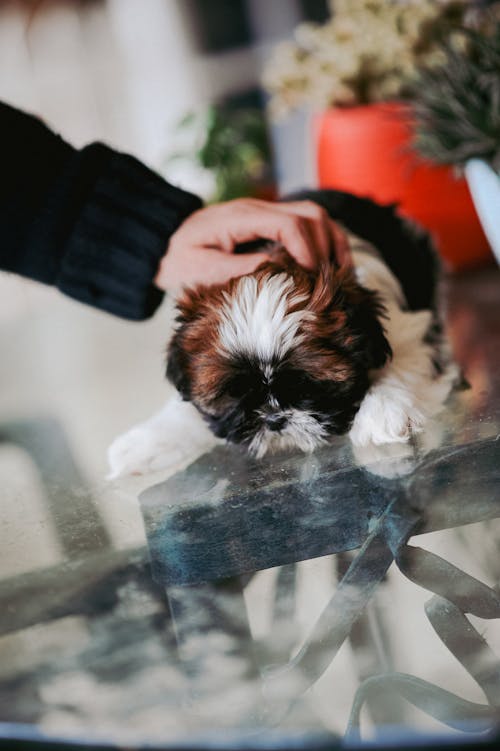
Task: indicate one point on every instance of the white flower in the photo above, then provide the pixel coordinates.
(366, 52)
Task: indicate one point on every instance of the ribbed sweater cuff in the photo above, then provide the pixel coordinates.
(114, 248)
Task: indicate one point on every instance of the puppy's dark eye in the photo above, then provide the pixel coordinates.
(288, 386)
(238, 386)
(244, 384)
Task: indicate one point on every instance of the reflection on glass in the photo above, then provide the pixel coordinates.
(298, 598)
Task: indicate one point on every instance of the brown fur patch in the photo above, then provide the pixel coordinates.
(326, 327)
(197, 340)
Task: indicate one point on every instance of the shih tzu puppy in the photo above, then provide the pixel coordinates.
(286, 358)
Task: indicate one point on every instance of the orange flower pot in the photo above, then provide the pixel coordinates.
(367, 150)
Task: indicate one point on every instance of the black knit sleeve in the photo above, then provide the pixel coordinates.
(94, 223)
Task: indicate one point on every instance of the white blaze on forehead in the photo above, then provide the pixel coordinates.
(255, 319)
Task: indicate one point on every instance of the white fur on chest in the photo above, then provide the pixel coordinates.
(372, 273)
(407, 391)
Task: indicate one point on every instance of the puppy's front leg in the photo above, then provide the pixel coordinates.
(174, 437)
(408, 390)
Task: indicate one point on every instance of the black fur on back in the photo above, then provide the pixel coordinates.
(407, 250)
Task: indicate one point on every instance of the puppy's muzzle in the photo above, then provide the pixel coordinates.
(275, 421)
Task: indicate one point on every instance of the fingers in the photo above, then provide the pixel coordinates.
(244, 220)
(342, 250)
(317, 226)
(225, 267)
(303, 227)
(189, 266)
(329, 240)
(201, 250)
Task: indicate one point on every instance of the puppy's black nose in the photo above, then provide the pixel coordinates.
(275, 422)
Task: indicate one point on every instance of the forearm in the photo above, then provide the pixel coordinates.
(94, 223)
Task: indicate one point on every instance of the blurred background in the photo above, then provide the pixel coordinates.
(127, 72)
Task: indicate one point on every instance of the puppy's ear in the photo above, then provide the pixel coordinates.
(375, 349)
(178, 366)
(188, 310)
(365, 312)
(355, 316)
(196, 323)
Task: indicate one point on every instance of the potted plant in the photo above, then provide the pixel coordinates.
(457, 119)
(357, 69)
(228, 148)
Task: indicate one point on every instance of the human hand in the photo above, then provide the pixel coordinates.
(202, 249)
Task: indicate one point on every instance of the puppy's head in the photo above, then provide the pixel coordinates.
(280, 358)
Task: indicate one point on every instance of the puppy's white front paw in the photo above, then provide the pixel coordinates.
(386, 416)
(399, 406)
(169, 440)
(140, 451)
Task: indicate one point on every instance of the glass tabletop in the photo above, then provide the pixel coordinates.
(299, 601)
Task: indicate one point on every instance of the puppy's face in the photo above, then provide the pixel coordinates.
(280, 358)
